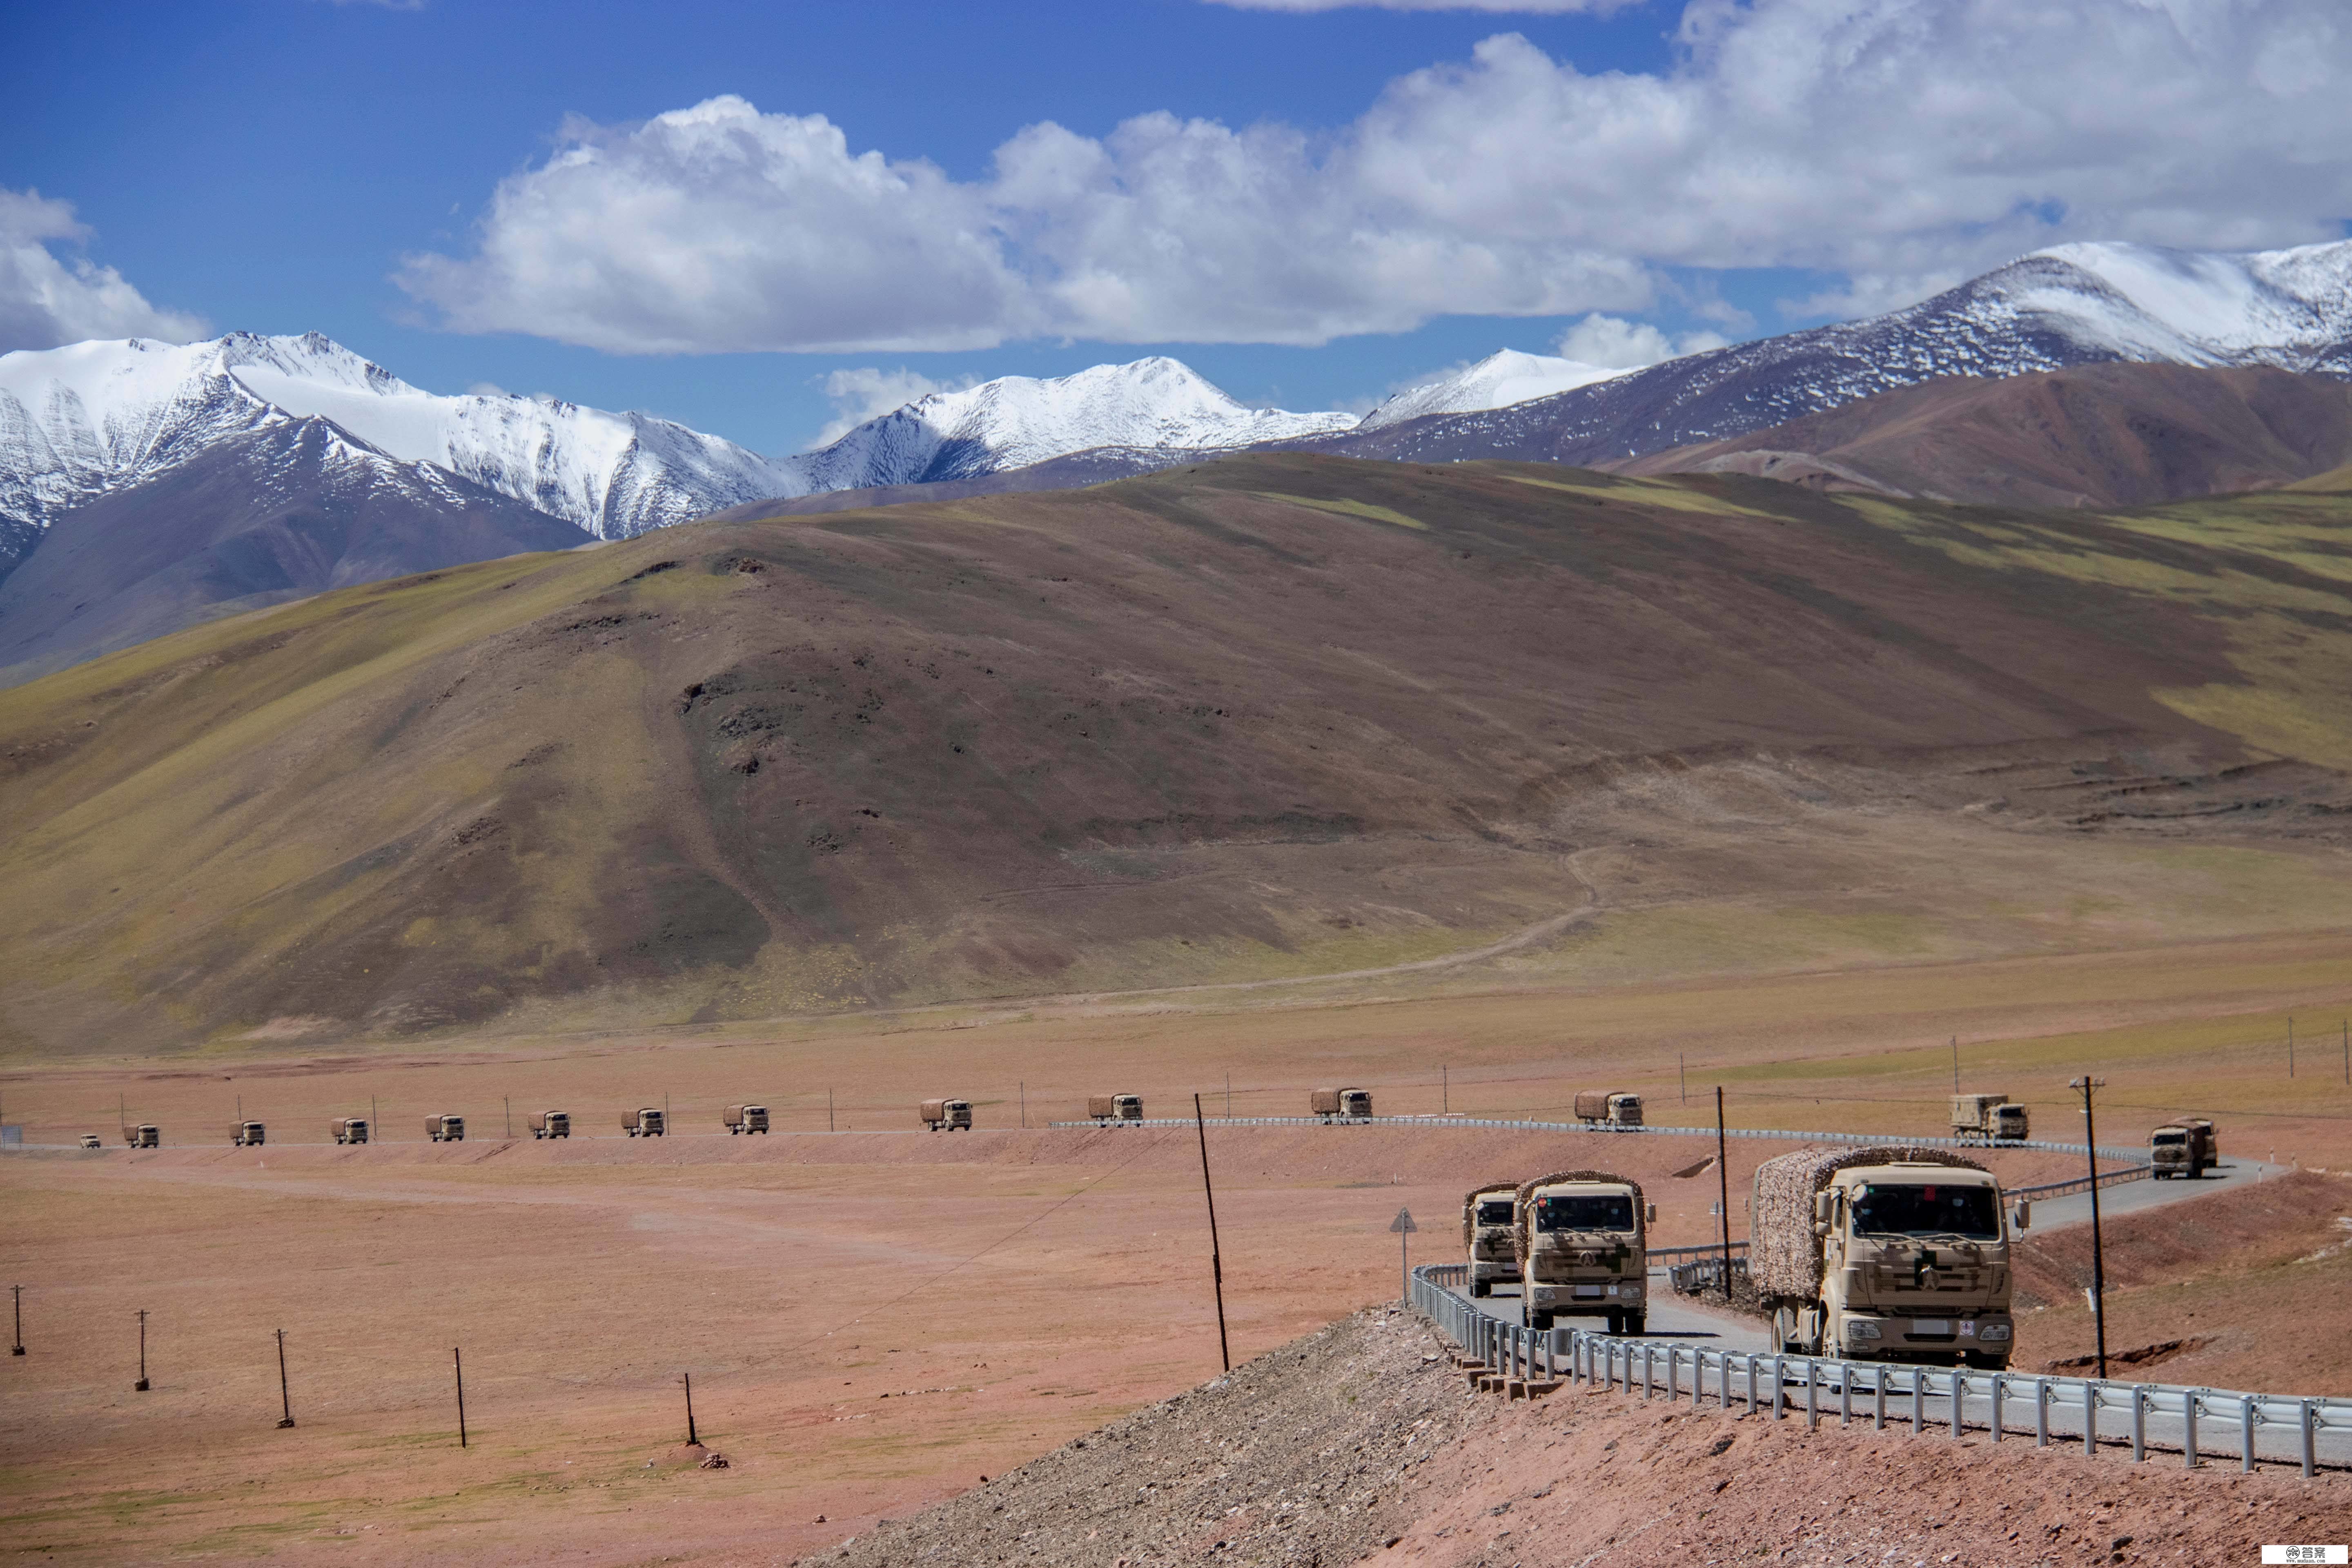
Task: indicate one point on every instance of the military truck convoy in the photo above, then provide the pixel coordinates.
(1884, 1253)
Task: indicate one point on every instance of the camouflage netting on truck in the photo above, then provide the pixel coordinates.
(1470, 1206)
(1784, 1256)
(1523, 1241)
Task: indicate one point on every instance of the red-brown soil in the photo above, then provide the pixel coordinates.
(2094, 435)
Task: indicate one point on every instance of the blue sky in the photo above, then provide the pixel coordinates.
(277, 166)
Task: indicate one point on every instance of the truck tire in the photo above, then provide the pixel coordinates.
(1636, 1322)
(1480, 1288)
(1539, 1321)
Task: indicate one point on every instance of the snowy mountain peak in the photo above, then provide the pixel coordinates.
(1016, 420)
(2288, 308)
(1501, 379)
(79, 421)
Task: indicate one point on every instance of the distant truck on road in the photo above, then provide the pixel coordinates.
(948, 1115)
(1988, 1118)
(2183, 1148)
(1581, 1241)
(1342, 1104)
(91, 1140)
(246, 1134)
(1487, 1216)
(649, 1121)
(349, 1129)
(551, 1124)
(1110, 1108)
(146, 1135)
(1608, 1108)
(446, 1129)
(1882, 1254)
(746, 1119)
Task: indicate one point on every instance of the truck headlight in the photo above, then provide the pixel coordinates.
(1632, 1293)
(1991, 1333)
(1861, 1329)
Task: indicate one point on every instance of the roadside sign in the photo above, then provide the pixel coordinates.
(1403, 1224)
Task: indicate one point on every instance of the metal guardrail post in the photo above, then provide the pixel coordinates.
(2090, 1419)
(2041, 1413)
(2310, 1457)
(1959, 1398)
(2246, 1419)
(2188, 1430)
(1846, 1396)
(1812, 1407)
(2138, 1423)
(1918, 1403)
(1878, 1399)
(1780, 1387)
(1750, 1359)
(1999, 1387)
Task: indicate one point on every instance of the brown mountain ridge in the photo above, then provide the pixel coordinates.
(1271, 717)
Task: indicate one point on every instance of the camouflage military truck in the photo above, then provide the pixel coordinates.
(551, 1124)
(349, 1129)
(1341, 1104)
(1988, 1118)
(650, 1122)
(247, 1134)
(1885, 1254)
(1608, 1108)
(2184, 1148)
(446, 1129)
(146, 1135)
(746, 1119)
(948, 1115)
(1109, 1107)
(1581, 1240)
(1487, 1216)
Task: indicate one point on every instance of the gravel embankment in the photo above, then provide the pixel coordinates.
(1305, 1456)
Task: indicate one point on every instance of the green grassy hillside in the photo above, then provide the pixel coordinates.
(1270, 716)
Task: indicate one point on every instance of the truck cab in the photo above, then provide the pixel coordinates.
(648, 1122)
(1581, 1241)
(1608, 1108)
(551, 1124)
(446, 1129)
(146, 1135)
(1488, 1214)
(2185, 1148)
(746, 1119)
(246, 1134)
(1113, 1107)
(1915, 1268)
(1341, 1104)
(1988, 1118)
(91, 1141)
(349, 1129)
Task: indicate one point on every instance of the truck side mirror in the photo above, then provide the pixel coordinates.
(1823, 1208)
(1649, 1213)
(2022, 1215)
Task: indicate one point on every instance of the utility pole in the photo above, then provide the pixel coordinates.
(1216, 1260)
(285, 1396)
(140, 1386)
(1444, 1091)
(1955, 1064)
(1024, 1104)
(1229, 1097)
(458, 1361)
(375, 1123)
(2085, 1086)
(828, 1109)
(510, 1102)
(1723, 1184)
(19, 1291)
(2347, 1050)
(2290, 1046)
(692, 1441)
(1682, 1070)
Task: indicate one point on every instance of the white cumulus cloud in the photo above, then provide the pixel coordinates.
(1614, 344)
(1889, 142)
(45, 301)
(867, 392)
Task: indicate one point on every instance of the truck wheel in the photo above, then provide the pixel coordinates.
(1480, 1288)
(1635, 1322)
(1539, 1321)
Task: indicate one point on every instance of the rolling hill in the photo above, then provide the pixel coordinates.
(1271, 716)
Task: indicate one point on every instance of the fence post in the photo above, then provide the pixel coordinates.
(1878, 1399)
(2139, 1422)
(1752, 1381)
(2090, 1419)
(1959, 1398)
(1812, 1409)
(2246, 1434)
(1845, 1396)
(2188, 1428)
(2041, 1413)
(1780, 1386)
(1918, 1403)
(2310, 1457)
(1999, 1387)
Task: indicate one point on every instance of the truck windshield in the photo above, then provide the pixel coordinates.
(1908, 1210)
(2173, 1138)
(1494, 1212)
(1613, 1211)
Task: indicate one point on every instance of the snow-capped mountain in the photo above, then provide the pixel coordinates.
(2072, 304)
(80, 421)
(1497, 381)
(1015, 421)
